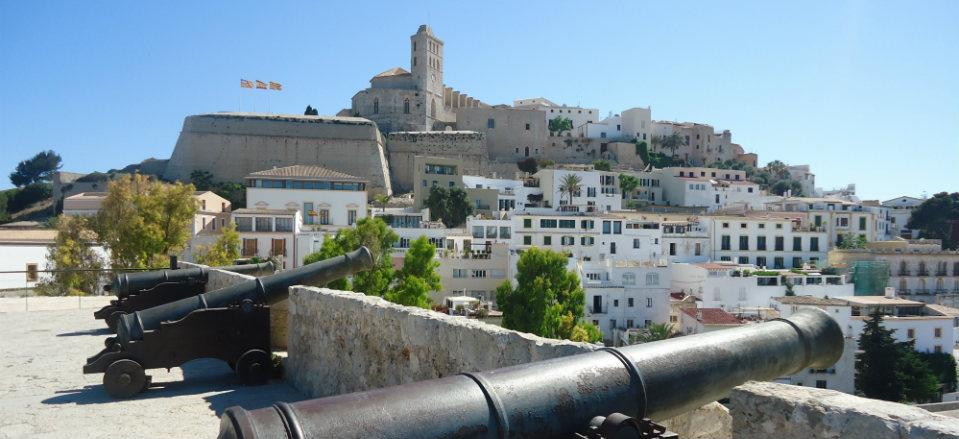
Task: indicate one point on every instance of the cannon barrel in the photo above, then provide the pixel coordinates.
(556, 398)
(125, 283)
(268, 289)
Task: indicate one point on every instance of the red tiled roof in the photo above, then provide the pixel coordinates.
(306, 172)
(711, 316)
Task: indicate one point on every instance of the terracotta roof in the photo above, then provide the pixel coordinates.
(28, 235)
(809, 300)
(711, 316)
(253, 211)
(395, 71)
(306, 172)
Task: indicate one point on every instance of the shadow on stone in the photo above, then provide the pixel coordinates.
(98, 332)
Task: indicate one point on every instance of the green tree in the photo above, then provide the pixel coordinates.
(627, 184)
(671, 142)
(225, 251)
(418, 276)
(202, 180)
(528, 165)
(142, 221)
(601, 165)
(379, 238)
(29, 195)
(850, 241)
(36, 169)
(789, 288)
(889, 370)
(935, 217)
(450, 206)
(656, 332)
(382, 200)
(329, 249)
(234, 192)
(560, 124)
(77, 265)
(943, 366)
(547, 301)
(570, 185)
(642, 150)
(310, 111)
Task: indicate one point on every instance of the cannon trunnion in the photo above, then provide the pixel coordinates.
(231, 324)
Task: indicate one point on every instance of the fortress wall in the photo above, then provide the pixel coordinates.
(467, 146)
(232, 145)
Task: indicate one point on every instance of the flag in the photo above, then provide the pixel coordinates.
(245, 84)
(260, 84)
(276, 86)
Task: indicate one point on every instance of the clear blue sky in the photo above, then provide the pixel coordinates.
(864, 91)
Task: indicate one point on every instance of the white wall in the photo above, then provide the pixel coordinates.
(338, 202)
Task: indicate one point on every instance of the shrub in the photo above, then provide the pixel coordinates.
(28, 195)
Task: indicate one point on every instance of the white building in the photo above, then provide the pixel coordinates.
(806, 179)
(900, 210)
(766, 240)
(266, 233)
(510, 194)
(624, 295)
(322, 196)
(578, 115)
(589, 238)
(742, 289)
(686, 240)
(712, 188)
(599, 190)
(838, 217)
(23, 256)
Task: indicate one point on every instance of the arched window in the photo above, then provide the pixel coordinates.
(376, 105)
(941, 268)
(406, 106)
(902, 285)
(433, 108)
(903, 268)
(922, 268)
(939, 284)
(922, 284)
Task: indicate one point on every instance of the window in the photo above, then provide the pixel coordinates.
(477, 231)
(652, 278)
(725, 225)
(567, 240)
(742, 225)
(607, 227)
(590, 192)
(491, 232)
(725, 243)
(820, 384)
(629, 323)
(278, 247)
(351, 217)
(376, 105)
(937, 332)
(672, 248)
(459, 273)
(527, 240)
(797, 262)
(527, 127)
(761, 243)
(779, 243)
(478, 274)
(760, 261)
(762, 225)
(567, 224)
(629, 301)
(244, 224)
(612, 248)
(797, 244)
(636, 243)
(406, 106)
(527, 223)
(587, 240)
(814, 244)
(249, 247)
(743, 260)
(504, 233)
(589, 224)
(615, 303)
(778, 263)
(309, 215)
(862, 223)
(490, 123)
(284, 224)
(264, 224)
(547, 224)
(325, 216)
(32, 274)
(649, 302)
(937, 349)
(698, 249)
(744, 242)
(629, 279)
(547, 240)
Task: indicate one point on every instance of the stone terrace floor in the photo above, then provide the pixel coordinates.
(44, 394)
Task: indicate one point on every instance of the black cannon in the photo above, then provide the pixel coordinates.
(577, 396)
(231, 324)
(139, 291)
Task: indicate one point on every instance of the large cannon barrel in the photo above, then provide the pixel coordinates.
(125, 283)
(556, 398)
(268, 289)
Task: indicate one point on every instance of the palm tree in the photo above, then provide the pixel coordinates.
(656, 332)
(382, 200)
(627, 183)
(570, 185)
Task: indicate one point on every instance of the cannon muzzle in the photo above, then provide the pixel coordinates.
(557, 398)
(267, 290)
(126, 283)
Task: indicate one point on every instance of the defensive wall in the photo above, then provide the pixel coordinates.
(232, 145)
(468, 147)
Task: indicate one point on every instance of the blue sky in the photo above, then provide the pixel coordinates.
(866, 92)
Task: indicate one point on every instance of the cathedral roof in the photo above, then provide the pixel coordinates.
(395, 71)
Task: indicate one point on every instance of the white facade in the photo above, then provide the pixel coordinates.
(638, 124)
(599, 190)
(589, 238)
(686, 241)
(838, 217)
(766, 241)
(712, 188)
(900, 210)
(511, 194)
(24, 251)
(623, 295)
(578, 115)
(320, 207)
(266, 233)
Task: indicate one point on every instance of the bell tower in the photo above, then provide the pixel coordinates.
(426, 60)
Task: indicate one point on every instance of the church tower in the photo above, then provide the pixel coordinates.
(427, 65)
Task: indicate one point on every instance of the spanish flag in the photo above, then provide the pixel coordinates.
(245, 84)
(276, 86)
(260, 84)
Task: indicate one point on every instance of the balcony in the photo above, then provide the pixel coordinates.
(600, 310)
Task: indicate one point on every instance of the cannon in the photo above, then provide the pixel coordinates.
(597, 394)
(139, 291)
(231, 324)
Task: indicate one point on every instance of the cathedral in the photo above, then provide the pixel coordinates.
(400, 100)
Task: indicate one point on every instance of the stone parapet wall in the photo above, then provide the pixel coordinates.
(342, 342)
(764, 410)
(467, 146)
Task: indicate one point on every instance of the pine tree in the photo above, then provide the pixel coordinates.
(875, 364)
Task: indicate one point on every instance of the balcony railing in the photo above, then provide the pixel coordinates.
(922, 273)
(599, 310)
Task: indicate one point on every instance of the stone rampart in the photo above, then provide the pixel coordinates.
(467, 146)
(341, 342)
(764, 410)
(232, 145)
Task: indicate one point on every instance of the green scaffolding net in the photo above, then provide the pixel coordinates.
(870, 277)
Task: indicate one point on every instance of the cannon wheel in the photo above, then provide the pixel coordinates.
(124, 379)
(254, 367)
